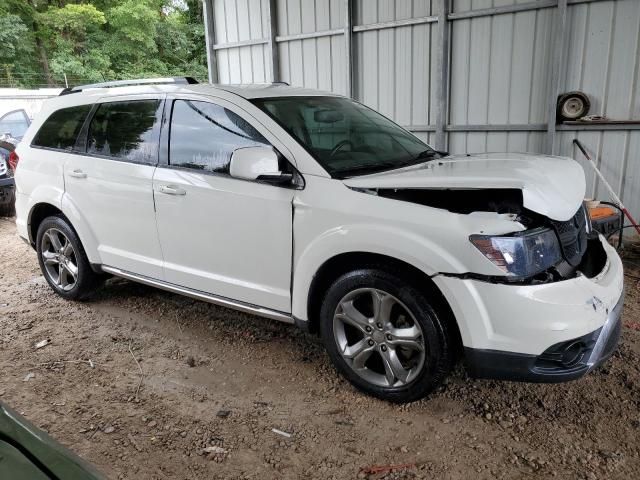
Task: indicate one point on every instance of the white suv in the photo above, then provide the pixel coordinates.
(310, 208)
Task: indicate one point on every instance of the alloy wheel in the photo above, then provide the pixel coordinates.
(59, 259)
(379, 338)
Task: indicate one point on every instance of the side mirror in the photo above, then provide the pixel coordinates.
(258, 163)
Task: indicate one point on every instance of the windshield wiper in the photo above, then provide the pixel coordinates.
(430, 154)
(367, 168)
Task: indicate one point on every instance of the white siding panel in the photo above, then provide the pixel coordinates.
(324, 63)
(231, 20)
(246, 70)
(521, 71)
(224, 76)
(282, 17)
(296, 63)
(403, 75)
(256, 15)
(259, 71)
(283, 55)
(310, 63)
(338, 65)
(243, 20)
(386, 75)
(500, 67)
(421, 71)
(220, 22)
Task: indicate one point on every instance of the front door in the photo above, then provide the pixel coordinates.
(109, 183)
(221, 235)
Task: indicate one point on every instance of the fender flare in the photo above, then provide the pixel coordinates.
(365, 238)
(46, 195)
(42, 195)
(83, 229)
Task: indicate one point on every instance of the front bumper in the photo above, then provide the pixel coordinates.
(562, 362)
(549, 332)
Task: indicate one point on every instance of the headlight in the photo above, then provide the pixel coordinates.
(523, 254)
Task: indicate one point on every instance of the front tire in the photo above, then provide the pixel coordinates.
(387, 337)
(63, 261)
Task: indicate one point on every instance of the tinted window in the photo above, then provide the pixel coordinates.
(126, 130)
(61, 129)
(204, 135)
(14, 123)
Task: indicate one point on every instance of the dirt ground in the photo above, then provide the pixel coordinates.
(220, 380)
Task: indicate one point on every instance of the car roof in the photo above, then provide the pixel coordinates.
(247, 91)
(259, 90)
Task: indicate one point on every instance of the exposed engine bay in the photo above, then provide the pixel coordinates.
(581, 249)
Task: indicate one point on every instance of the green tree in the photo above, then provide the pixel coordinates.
(92, 40)
(72, 31)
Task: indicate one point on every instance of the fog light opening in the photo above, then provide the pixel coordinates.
(573, 353)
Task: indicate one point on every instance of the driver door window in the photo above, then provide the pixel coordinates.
(204, 135)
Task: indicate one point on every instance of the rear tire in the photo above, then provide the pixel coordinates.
(63, 260)
(385, 335)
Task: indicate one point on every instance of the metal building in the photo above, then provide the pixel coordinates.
(465, 75)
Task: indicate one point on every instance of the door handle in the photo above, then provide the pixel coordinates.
(172, 190)
(77, 174)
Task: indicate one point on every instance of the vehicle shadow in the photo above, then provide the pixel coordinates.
(205, 320)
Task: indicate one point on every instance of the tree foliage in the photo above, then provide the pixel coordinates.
(92, 40)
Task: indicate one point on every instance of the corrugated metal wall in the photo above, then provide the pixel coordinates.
(239, 21)
(603, 60)
(500, 68)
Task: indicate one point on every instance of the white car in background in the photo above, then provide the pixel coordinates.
(310, 208)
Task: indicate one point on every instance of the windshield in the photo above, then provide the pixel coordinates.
(347, 138)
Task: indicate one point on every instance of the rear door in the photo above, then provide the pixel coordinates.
(110, 182)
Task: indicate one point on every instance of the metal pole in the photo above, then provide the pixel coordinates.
(273, 46)
(443, 55)
(558, 48)
(209, 37)
(348, 44)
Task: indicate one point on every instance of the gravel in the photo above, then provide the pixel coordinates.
(216, 383)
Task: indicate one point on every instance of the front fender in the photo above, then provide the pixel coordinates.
(385, 240)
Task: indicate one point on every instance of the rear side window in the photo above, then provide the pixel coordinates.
(61, 129)
(204, 135)
(126, 130)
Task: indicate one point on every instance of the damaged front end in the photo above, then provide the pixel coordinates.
(541, 250)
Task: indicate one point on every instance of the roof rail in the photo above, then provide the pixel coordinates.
(128, 83)
(280, 83)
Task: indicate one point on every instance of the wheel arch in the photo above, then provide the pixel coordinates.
(342, 263)
(42, 210)
(37, 214)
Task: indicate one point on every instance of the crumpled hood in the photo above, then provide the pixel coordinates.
(551, 186)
